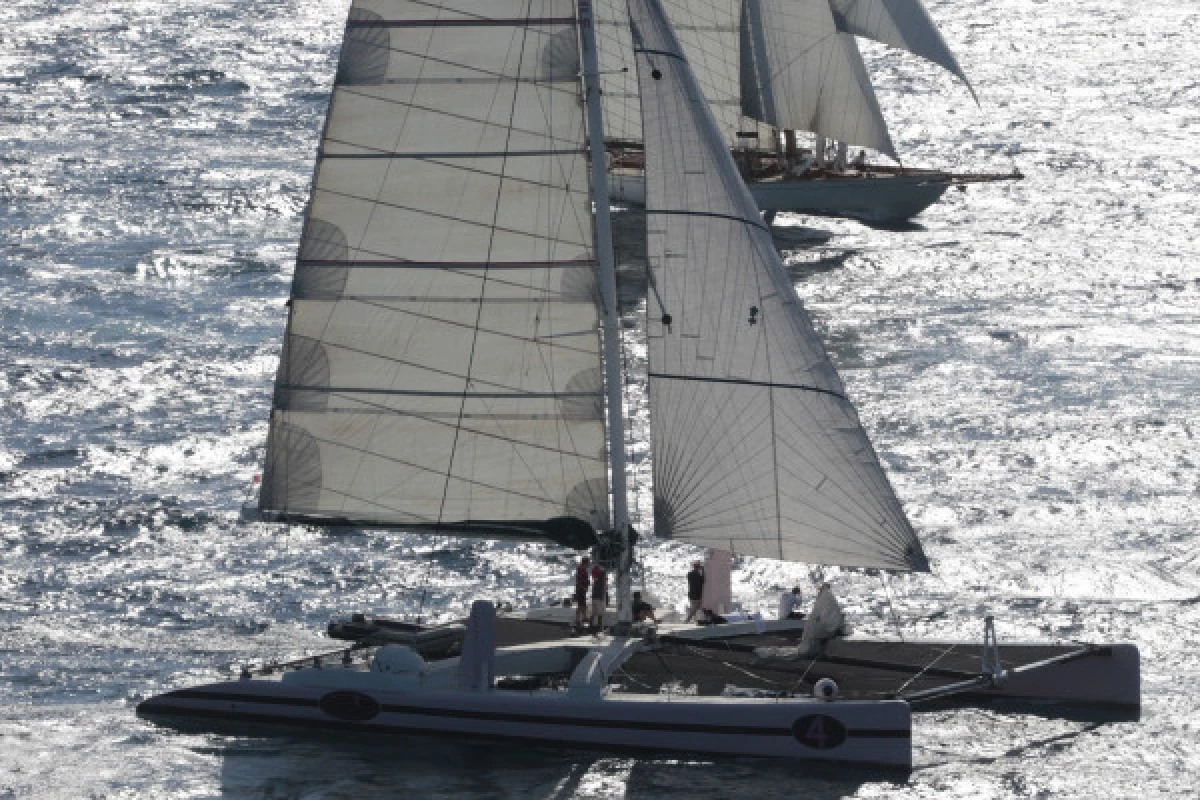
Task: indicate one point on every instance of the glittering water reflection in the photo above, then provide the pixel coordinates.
(1024, 355)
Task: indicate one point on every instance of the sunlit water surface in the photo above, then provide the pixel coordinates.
(1026, 357)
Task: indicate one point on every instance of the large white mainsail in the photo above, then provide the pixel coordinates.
(756, 448)
(442, 363)
(904, 24)
(799, 72)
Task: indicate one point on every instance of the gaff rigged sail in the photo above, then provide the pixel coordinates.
(800, 73)
(903, 24)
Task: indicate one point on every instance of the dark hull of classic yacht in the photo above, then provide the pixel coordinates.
(888, 198)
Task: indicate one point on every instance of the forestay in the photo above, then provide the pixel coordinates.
(904, 24)
(441, 366)
(799, 72)
(756, 448)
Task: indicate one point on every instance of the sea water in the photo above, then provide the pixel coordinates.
(1026, 357)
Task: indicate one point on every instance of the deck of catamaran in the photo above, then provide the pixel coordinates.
(758, 658)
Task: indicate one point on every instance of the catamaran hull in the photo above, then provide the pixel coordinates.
(893, 198)
(876, 733)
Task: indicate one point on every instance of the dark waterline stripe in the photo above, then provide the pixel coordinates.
(161, 706)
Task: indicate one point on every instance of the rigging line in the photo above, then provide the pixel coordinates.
(387, 171)
(627, 399)
(699, 653)
(926, 668)
(547, 366)
(379, 203)
(804, 674)
(621, 672)
(846, 478)
(840, 507)
(364, 452)
(872, 481)
(766, 348)
(451, 162)
(887, 590)
(653, 286)
(524, 35)
(667, 468)
(691, 472)
(424, 589)
(431, 317)
(892, 527)
(687, 477)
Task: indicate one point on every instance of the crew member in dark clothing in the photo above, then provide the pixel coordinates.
(582, 581)
(695, 580)
(642, 610)
(599, 596)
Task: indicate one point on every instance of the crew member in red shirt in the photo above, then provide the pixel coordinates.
(582, 581)
(599, 596)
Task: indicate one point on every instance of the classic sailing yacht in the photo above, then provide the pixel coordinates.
(451, 364)
(789, 66)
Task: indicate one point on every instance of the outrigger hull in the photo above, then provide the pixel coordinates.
(873, 733)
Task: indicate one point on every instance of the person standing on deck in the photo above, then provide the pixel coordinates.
(599, 596)
(582, 581)
(695, 580)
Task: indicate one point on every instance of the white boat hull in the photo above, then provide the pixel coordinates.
(892, 198)
(869, 733)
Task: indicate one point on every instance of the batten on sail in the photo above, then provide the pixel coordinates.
(755, 446)
(799, 72)
(441, 365)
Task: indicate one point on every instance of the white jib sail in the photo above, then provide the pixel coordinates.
(442, 363)
(756, 448)
(904, 24)
(800, 73)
